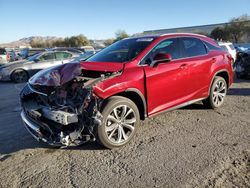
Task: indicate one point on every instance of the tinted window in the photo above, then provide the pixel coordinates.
(122, 51)
(169, 46)
(224, 48)
(48, 56)
(212, 47)
(232, 47)
(192, 47)
(63, 55)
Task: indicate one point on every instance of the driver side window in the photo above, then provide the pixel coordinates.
(46, 57)
(169, 46)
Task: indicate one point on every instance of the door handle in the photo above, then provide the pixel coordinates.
(183, 66)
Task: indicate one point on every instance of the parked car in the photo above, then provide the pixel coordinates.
(229, 47)
(4, 56)
(13, 55)
(21, 71)
(243, 65)
(28, 52)
(87, 49)
(240, 49)
(105, 97)
(84, 56)
(73, 50)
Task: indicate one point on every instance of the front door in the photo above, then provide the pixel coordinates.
(167, 82)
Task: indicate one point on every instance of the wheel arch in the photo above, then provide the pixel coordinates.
(222, 73)
(137, 97)
(12, 71)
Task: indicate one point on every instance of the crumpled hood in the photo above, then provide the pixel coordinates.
(61, 74)
(102, 66)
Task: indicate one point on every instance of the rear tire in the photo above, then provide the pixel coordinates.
(217, 93)
(19, 76)
(121, 119)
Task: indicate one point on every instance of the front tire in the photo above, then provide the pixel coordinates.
(120, 121)
(19, 76)
(217, 93)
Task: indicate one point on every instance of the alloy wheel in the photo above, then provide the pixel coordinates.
(120, 124)
(219, 93)
(20, 76)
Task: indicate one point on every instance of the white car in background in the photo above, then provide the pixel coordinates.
(4, 56)
(229, 47)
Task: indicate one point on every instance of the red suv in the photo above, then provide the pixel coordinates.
(106, 96)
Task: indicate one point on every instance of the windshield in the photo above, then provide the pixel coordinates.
(33, 57)
(122, 51)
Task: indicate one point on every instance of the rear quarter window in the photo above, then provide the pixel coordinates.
(212, 47)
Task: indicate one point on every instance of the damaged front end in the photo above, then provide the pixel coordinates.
(59, 106)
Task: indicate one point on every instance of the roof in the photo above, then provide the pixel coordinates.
(167, 34)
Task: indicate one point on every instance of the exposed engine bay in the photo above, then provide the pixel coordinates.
(64, 110)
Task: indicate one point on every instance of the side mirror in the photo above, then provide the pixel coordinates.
(161, 58)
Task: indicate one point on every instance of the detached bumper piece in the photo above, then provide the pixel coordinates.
(36, 131)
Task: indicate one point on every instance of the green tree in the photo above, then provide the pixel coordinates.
(76, 41)
(234, 31)
(238, 27)
(121, 34)
(108, 42)
(220, 33)
(37, 43)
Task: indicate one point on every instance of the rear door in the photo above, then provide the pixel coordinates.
(167, 83)
(195, 54)
(46, 60)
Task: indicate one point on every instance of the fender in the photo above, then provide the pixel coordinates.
(211, 81)
(142, 98)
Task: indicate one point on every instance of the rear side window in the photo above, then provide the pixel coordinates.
(211, 47)
(63, 55)
(48, 56)
(224, 48)
(232, 47)
(192, 47)
(2, 51)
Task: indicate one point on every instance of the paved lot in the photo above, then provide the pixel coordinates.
(190, 147)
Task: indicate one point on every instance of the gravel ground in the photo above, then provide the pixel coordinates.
(189, 147)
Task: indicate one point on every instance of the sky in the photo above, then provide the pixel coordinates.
(100, 19)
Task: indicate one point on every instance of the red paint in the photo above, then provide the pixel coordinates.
(168, 84)
(102, 66)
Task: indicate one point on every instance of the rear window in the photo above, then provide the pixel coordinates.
(232, 47)
(2, 51)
